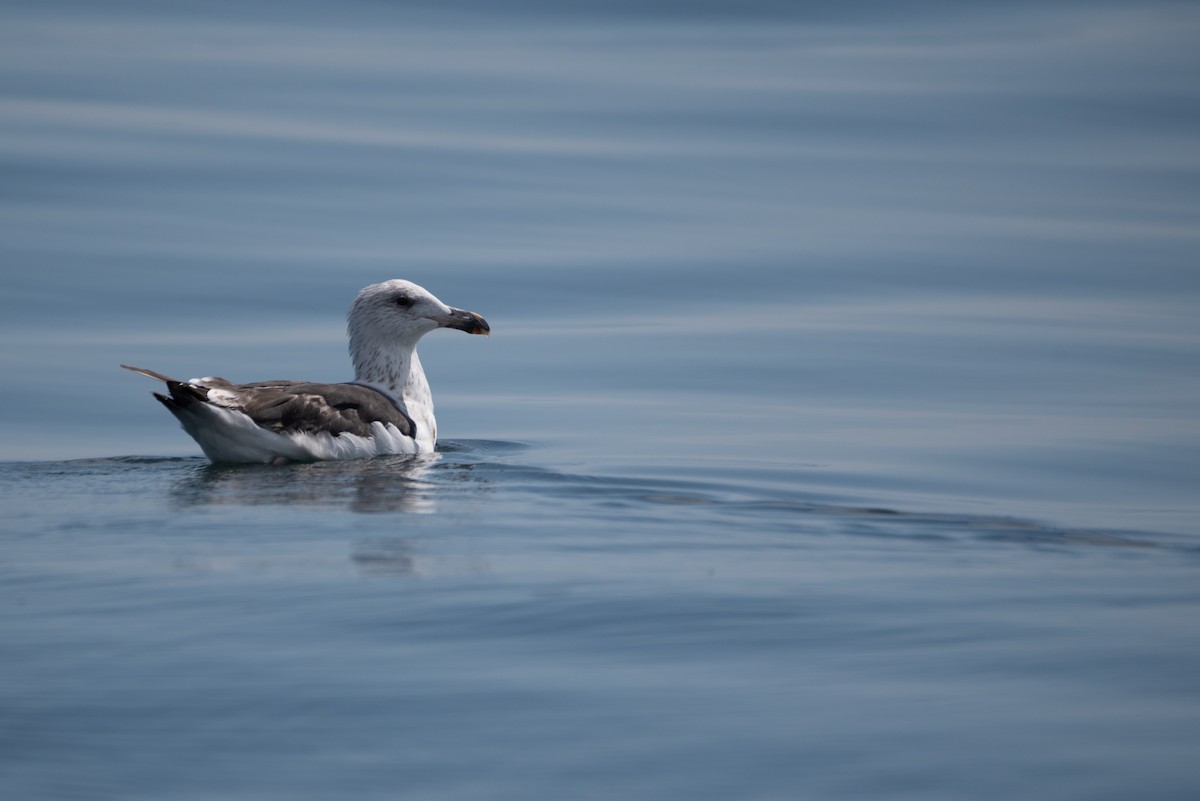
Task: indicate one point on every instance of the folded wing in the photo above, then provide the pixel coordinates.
(289, 407)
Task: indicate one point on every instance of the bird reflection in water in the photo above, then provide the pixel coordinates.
(367, 486)
(455, 477)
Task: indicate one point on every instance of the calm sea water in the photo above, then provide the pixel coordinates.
(838, 435)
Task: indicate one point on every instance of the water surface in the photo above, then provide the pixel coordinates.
(837, 436)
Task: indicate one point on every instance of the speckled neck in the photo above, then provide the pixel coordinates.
(397, 372)
(389, 369)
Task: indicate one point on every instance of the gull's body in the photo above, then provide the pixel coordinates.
(387, 409)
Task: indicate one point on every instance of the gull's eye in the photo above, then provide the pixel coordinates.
(403, 301)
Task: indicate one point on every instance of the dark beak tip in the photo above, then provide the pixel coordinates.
(467, 321)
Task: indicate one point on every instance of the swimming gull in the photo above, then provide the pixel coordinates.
(386, 409)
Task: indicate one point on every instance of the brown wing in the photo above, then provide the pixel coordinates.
(293, 406)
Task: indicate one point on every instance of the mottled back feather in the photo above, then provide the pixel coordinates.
(288, 407)
(292, 406)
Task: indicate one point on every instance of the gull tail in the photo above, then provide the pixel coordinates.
(182, 394)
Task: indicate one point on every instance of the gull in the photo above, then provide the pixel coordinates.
(386, 409)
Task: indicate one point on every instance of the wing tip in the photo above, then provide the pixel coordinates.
(166, 400)
(148, 373)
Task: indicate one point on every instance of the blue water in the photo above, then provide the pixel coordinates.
(838, 435)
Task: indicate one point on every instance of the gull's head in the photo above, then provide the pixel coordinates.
(397, 313)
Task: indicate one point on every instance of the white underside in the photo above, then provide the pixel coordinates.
(227, 435)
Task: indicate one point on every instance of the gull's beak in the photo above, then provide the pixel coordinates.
(467, 321)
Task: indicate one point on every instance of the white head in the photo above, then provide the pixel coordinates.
(386, 320)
